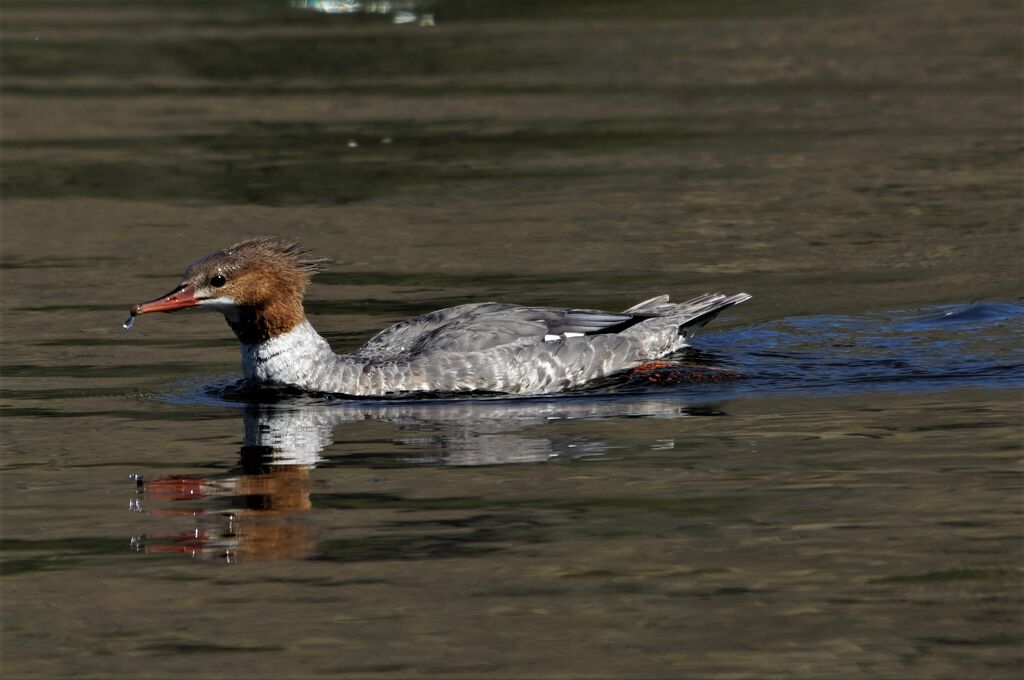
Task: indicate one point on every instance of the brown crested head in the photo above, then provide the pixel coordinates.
(258, 285)
(256, 273)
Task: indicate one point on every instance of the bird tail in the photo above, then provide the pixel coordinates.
(687, 317)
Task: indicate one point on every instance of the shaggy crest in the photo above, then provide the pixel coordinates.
(271, 248)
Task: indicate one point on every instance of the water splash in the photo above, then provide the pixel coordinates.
(979, 345)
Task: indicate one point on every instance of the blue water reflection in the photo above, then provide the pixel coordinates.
(936, 348)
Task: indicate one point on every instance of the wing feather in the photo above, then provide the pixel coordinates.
(484, 326)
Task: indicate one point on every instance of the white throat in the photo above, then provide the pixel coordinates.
(297, 358)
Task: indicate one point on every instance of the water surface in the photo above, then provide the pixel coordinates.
(826, 485)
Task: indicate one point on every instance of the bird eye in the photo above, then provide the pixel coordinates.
(218, 280)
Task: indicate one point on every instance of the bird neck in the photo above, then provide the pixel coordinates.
(298, 357)
(253, 325)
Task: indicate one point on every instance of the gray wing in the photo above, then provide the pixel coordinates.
(483, 329)
(398, 339)
(481, 326)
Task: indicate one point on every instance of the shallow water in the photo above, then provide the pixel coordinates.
(826, 485)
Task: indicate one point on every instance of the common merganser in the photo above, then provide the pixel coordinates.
(481, 347)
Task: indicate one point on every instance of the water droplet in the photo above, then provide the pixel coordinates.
(127, 325)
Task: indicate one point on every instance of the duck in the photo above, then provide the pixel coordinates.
(485, 347)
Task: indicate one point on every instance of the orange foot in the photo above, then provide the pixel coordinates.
(676, 373)
(653, 366)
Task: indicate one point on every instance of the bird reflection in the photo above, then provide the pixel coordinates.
(257, 510)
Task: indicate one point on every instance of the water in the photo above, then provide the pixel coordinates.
(827, 485)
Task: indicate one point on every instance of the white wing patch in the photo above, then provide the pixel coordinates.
(563, 336)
